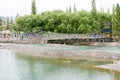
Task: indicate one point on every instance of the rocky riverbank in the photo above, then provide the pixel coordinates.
(65, 51)
(62, 51)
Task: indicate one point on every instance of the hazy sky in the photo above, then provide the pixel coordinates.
(23, 7)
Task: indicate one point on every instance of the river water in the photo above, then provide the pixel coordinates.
(13, 67)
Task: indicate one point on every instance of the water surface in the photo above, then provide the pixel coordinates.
(13, 67)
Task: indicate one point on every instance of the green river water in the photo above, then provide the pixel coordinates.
(15, 67)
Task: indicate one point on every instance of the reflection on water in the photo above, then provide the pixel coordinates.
(8, 66)
(14, 68)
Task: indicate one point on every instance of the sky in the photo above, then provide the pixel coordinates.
(23, 7)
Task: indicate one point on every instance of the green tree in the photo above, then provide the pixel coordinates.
(114, 20)
(117, 19)
(13, 27)
(33, 7)
(62, 28)
(81, 29)
(70, 10)
(75, 8)
(69, 28)
(67, 10)
(63, 22)
(7, 25)
(94, 10)
(0, 22)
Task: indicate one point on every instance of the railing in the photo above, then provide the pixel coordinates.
(70, 36)
(37, 37)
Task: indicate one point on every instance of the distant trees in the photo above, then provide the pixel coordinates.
(7, 24)
(94, 10)
(0, 21)
(75, 8)
(59, 21)
(70, 9)
(116, 19)
(33, 8)
(0, 24)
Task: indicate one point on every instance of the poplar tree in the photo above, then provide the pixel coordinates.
(67, 10)
(108, 11)
(0, 24)
(7, 26)
(117, 19)
(94, 17)
(70, 10)
(0, 21)
(33, 7)
(114, 19)
(94, 10)
(17, 15)
(75, 8)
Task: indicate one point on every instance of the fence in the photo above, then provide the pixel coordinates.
(44, 37)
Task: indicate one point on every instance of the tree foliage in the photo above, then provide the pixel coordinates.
(116, 19)
(75, 8)
(62, 22)
(33, 7)
(7, 24)
(0, 22)
(94, 10)
(59, 21)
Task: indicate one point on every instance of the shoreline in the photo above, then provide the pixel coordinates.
(115, 66)
(48, 51)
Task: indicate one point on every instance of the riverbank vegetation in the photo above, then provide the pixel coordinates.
(70, 21)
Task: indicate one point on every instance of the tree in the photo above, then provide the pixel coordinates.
(33, 7)
(94, 10)
(0, 22)
(70, 10)
(108, 11)
(117, 19)
(13, 27)
(59, 21)
(62, 28)
(75, 8)
(11, 21)
(7, 26)
(114, 20)
(69, 28)
(67, 10)
(17, 15)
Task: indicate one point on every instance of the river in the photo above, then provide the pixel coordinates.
(14, 67)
